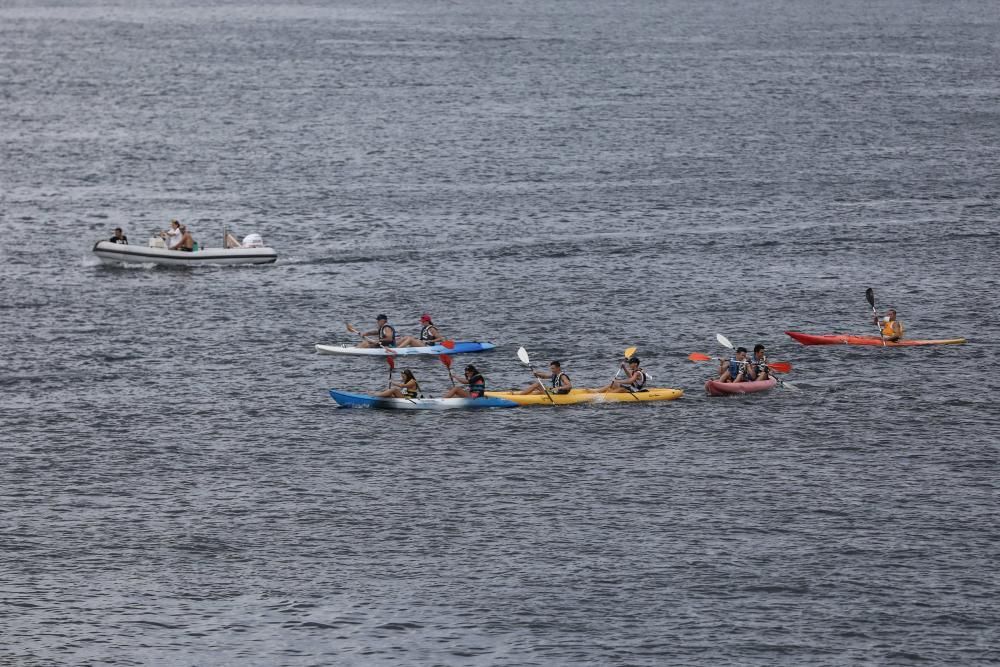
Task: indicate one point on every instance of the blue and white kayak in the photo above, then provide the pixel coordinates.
(461, 347)
(348, 400)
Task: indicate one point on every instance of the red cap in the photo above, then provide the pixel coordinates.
(425, 318)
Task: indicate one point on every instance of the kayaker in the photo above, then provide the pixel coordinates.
(384, 333)
(119, 237)
(892, 329)
(429, 334)
(408, 388)
(634, 380)
(560, 384)
(172, 235)
(757, 368)
(187, 241)
(473, 379)
(735, 369)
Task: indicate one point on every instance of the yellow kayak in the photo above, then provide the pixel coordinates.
(576, 396)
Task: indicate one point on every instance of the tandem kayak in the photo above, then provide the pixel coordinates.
(348, 400)
(461, 347)
(716, 388)
(114, 253)
(848, 339)
(578, 396)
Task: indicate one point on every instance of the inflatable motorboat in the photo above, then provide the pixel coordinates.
(250, 251)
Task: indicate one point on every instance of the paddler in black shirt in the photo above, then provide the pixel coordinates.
(475, 381)
(119, 237)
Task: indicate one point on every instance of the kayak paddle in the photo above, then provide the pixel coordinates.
(522, 354)
(446, 360)
(870, 297)
(363, 337)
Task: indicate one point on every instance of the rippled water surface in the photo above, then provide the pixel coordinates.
(177, 488)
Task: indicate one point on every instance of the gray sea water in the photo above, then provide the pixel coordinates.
(177, 488)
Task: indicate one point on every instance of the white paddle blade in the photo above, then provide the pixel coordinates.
(724, 341)
(789, 385)
(522, 354)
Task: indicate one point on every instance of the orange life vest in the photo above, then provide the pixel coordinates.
(887, 329)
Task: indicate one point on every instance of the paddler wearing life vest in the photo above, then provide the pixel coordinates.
(473, 379)
(408, 388)
(757, 368)
(384, 333)
(560, 382)
(635, 379)
(735, 368)
(429, 334)
(892, 329)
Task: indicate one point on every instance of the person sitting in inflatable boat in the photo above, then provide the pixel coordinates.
(735, 369)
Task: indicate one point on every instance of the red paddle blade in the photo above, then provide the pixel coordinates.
(698, 356)
(450, 344)
(446, 360)
(391, 361)
(780, 366)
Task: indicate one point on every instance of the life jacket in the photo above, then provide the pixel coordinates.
(557, 380)
(381, 334)
(734, 367)
(637, 386)
(412, 393)
(887, 329)
(477, 386)
(425, 333)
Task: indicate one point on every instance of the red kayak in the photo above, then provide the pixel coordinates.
(848, 339)
(716, 388)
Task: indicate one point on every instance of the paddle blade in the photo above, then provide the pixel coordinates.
(870, 297)
(629, 351)
(698, 356)
(389, 359)
(522, 354)
(789, 385)
(780, 366)
(448, 344)
(724, 342)
(446, 360)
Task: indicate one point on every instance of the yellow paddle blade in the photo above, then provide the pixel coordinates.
(629, 351)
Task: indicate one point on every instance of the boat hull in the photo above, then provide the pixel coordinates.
(579, 396)
(848, 339)
(716, 388)
(461, 347)
(115, 253)
(352, 400)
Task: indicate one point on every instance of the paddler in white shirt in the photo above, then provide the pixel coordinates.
(173, 235)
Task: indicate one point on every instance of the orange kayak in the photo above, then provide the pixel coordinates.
(848, 339)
